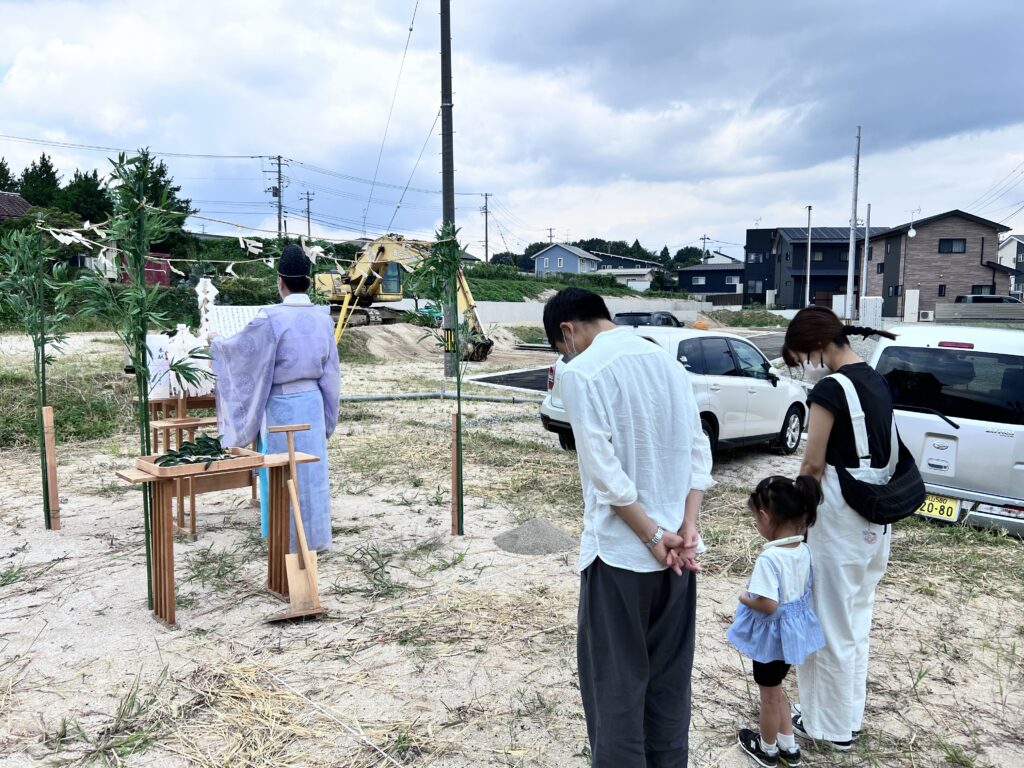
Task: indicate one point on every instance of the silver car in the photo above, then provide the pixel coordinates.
(959, 398)
(742, 401)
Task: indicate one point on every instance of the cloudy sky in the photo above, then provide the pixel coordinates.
(661, 120)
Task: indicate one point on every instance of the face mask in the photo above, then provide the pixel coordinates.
(571, 341)
(815, 373)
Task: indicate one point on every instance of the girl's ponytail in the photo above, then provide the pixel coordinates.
(811, 497)
(857, 330)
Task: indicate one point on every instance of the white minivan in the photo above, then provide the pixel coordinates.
(959, 399)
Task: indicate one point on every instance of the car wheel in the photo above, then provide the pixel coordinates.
(709, 429)
(567, 441)
(792, 428)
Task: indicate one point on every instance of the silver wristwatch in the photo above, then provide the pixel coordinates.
(653, 541)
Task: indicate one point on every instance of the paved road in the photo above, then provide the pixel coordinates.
(537, 379)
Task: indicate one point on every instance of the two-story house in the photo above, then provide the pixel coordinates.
(559, 257)
(829, 264)
(704, 280)
(943, 256)
(1011, 254)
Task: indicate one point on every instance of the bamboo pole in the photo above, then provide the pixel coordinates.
(51, 469)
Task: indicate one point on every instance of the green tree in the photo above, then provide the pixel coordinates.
(506, 257)
(534, 248)
(8, 183)
(665, 256)
(689, 256)
(40, 183)
(160, 186)
(637, 251)
(85, 196)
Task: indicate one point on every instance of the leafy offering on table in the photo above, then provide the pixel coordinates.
(205, 450)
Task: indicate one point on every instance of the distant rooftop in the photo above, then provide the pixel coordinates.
(12, 205)
(826, 234)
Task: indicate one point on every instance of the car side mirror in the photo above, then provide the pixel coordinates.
(773, 378)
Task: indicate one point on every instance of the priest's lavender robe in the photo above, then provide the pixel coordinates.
(282, 368)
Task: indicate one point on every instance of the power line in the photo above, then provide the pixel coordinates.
(391, 110)
(414, 167)
(987, 192)
(99, 148)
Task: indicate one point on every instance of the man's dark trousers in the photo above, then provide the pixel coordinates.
(635, 656)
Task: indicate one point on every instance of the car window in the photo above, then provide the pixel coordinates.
(751, 362)
(690, 349)
(717, 358)
(958, 383)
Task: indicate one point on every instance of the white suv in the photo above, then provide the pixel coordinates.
(741, 400)
(959, 397)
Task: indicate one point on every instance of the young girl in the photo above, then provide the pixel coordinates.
(775, 624)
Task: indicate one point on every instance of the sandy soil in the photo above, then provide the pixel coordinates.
(437, 650)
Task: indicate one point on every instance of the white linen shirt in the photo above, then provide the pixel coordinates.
(638, 438)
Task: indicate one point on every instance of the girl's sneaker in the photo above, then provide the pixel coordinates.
(750, 742)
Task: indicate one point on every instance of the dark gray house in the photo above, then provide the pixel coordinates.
(564, 258)
(759, 272)
(712, 279)
(830, 250)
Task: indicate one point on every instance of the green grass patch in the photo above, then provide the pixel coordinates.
(529, 334)
(354, 348)
(754, 317)
(89, 402)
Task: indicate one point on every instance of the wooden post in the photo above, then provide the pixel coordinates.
(51, 468)
(455, 474)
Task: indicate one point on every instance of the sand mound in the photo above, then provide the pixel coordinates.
(535, 537)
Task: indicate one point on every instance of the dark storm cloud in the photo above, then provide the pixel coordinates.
(907, 71)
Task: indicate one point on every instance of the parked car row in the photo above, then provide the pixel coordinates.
(958, 394)
(741, 400)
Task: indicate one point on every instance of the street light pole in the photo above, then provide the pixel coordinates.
(807, 274)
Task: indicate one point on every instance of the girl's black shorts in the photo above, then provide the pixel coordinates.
(771, 674)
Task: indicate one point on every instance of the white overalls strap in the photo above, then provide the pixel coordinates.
(860, 431)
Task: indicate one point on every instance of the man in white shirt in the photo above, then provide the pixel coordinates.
(644, 464)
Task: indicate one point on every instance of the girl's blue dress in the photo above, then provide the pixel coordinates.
(791, 634)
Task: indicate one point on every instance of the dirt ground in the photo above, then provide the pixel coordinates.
(436, 650)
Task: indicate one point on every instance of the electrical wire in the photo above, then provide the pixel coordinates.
(99, 148)
(416, 165)
(995, 186)
(391, 110)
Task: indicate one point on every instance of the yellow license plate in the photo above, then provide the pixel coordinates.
(940, 507)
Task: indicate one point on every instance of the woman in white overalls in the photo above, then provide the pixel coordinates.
(849, 553)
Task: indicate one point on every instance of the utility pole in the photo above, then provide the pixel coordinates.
(307, 196)
(852, 258)
(486, 237)
(703, 248)
(450, 319)
(807, 275)
(864, 261)
(447, 129)
(551, 234)
(278, 192)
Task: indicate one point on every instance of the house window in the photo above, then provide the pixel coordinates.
(789, 282)
(699, 280)
(887, 249)
(755, 286)
(942, 290)
(817, 256)
(871, 251)
(560, 262)
(547, 262)
(895, 290)
(755, 258)
(732, 279)
(953, 245)
(844, 256)
(982, 290)
(880, 267)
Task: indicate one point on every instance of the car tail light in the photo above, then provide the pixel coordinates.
(956, 344)
(551, 378)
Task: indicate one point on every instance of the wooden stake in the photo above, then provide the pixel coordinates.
(51, 468)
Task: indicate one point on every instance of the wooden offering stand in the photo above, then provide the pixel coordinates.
(220, 476)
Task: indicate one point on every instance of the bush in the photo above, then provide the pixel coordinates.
(748, 318)
(247, 291)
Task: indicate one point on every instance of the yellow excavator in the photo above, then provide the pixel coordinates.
(376, 277)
